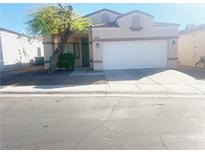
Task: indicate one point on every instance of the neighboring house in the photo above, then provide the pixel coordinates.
(121, 41)
(17, 50)
(191, 50)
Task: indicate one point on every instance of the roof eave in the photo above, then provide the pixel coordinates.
(105, 9)
(165, 24)
(135, 11)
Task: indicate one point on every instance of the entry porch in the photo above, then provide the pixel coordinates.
(79, 44)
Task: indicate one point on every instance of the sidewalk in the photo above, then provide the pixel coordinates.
(132, 82)
(132, 89)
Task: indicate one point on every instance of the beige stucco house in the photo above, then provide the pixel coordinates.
(191, 48)
(121, 41)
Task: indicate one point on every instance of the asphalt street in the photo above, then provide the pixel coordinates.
(102, 122)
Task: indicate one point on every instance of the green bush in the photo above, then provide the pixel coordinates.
(39, 60)
(66, 60)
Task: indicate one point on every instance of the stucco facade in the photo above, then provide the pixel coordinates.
(191, 46)
(17, 49)
(150, 31)
(111, 26)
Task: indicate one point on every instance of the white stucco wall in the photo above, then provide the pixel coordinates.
(17, 49)
(191, 47)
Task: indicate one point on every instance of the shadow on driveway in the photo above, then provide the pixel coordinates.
(38, 76)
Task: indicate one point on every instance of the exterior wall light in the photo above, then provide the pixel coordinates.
(97, 45)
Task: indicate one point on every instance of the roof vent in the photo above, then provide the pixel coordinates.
(105, 18)
(135, 23)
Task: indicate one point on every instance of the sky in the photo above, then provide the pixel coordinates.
(13, 16)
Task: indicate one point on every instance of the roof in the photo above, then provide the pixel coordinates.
(10, 31)
(134, 11)
(194, 29)
(105, 25)
(101, 10)
(165, 24)
(126, 14)
(13, 32)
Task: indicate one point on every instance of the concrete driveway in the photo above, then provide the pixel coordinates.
(157, 80)
(160, 76)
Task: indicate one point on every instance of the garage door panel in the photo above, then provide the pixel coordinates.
(134, 54)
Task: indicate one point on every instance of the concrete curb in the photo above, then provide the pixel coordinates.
(103, 89)
(101, 92)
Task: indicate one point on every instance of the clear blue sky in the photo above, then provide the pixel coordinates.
(14, 16)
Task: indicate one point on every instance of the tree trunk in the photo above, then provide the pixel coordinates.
(54, 58)
(53, 62)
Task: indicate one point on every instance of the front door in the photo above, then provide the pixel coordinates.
(85, 52)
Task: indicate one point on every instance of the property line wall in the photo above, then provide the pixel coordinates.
(191, 47)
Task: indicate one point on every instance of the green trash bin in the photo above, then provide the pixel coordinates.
(39, 60)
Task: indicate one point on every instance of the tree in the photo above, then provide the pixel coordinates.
(59, 20)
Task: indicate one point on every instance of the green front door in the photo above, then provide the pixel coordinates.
(85, 52)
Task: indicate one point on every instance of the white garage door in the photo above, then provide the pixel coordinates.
(134, 54)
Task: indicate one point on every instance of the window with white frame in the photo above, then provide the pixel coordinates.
(38, 51)
(73, 48)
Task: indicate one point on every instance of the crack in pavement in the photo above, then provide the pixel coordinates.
(106, 82)
(137, 86)
(162, 142)
(85, 137)
(157, 83)
(97, 127)
(196, 88)
(109, 129)
(107, 86)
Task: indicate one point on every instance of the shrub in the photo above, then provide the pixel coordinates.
(39, 60)
(66, 60)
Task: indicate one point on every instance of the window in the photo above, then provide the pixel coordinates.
(20, 57)
(38, 51)
(76, 50)
(68, 48)
(73, 48)
(24, 52)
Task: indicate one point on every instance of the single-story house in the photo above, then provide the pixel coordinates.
(191, 50)
(17, 50)
(121, 41)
